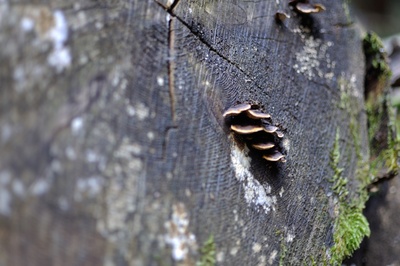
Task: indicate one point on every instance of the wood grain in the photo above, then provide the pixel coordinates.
(121, 156)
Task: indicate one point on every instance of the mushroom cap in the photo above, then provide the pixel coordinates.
(320, 7)
(246, 129)
(281, 16)
(237, 109)
(257, 114)
(263, 146)
(279, 134)
(274, 157)
(270, 128)
(308, 8)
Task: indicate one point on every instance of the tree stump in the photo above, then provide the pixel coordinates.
(114, 149)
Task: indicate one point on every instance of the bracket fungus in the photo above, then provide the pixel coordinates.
(281, 16)
(256, 129)
(304, 7)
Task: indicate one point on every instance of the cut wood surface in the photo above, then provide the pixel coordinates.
(115, 151)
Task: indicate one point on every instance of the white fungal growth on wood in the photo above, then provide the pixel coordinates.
(121, 192)
(313, 54)
(40, 187)
(254, 192)
(77, 124)
(178, 235)
(256, 247)
(89, 187)
(272, 257)
(142, 111)
(27, 24)
(60, 57)
(290, 237)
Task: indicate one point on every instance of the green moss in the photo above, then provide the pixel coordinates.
(208, 253)
(385, 152)
(384, 142)
(339, 182)
(350, 226)
(392, 153)
(283, 252)
(375, 114)
(346, 10)
(373, 49)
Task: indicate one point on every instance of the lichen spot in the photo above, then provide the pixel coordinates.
(178, 236)
(272, 257)
(255, 193)
(160, 81)
(314, 60)
(76, 124)
(60, 57)
(286, 144)
(290, 237)
(142, 111)
(256, 247)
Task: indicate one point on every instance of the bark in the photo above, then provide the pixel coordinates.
(114, 149)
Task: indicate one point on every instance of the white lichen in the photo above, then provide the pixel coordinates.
(256, 247)
(234, 251)
(272, 257)
(39, 187)
(91, 156)
(76, 124)
(178, 236)
(262, 260)
(142, 111)
(60, 57)
(120, 193)
(290, 237)
(281, 191)
(254, 193)
(160, 81)
(27, 24)
(130, 110)
(91, 187)
(18, 188)
(313, 54)
(348, 86)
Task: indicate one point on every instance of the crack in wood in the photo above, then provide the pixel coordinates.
(173, 5)
(167, 132)
(201, 39)
(69, 112)
(171, 67)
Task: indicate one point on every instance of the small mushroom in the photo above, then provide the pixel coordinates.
(256, 130)
(257, 114)
(279, 134)
(274, 157)
(246, 129)
(270, 128)
(307, 8)
(281, 16)
(263, 146)
(237, 109)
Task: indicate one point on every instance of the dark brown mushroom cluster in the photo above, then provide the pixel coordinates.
(257, 130)
(304, 7)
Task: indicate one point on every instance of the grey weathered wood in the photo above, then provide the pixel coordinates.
(104, 156)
